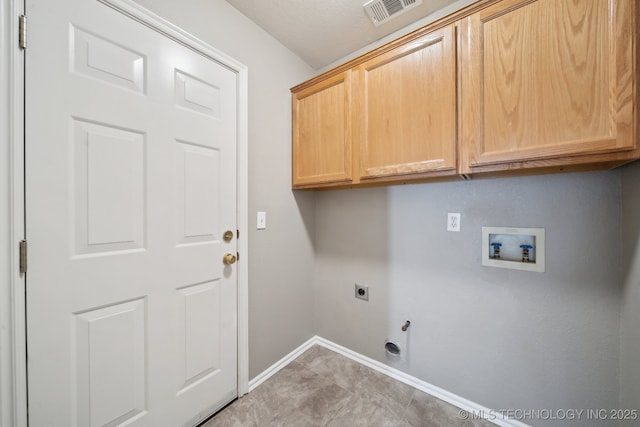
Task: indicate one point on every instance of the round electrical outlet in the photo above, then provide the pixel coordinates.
(362, 292)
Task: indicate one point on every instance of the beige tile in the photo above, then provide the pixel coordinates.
(380, 400)
(246, 411)
(428, 411)
(323, 388)
(294, 381)
(297, 389)
(397, 395)
(337, 368)
(359, 411)
(297, 419)
(324, 403)
(309, 355)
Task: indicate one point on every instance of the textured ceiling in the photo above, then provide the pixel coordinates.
(323, 31)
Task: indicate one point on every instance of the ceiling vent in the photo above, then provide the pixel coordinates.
(381, 11)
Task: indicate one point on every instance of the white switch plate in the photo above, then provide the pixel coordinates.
(453, 222)
(261, 221)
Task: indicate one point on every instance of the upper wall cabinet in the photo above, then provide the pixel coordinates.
(501, 86)
(548, 83)
(406, 109)
(322, 133)
(391, 117)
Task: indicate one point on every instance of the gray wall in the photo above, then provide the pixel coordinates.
(281, 257)
(502, 338)
(630, 314)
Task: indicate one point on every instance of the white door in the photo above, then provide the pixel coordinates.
(131, 184)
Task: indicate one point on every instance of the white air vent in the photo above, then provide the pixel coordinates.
(381, 11)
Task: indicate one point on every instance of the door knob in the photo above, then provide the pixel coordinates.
(229, 259)
(227, 236)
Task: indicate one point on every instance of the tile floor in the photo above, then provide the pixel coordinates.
(324, 388)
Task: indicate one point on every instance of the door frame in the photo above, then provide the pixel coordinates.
(13, 352)
(13, 356)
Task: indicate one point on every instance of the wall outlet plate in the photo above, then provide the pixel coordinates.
(453, 222)
(362, 292)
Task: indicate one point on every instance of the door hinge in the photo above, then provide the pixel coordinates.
(22, 32)
(23, 256)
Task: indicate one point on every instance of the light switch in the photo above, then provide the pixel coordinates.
(261, 220)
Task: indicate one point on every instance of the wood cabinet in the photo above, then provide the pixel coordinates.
(548, 84)
(321, 152)
(387, 118)
(522, 86)
(406, 104)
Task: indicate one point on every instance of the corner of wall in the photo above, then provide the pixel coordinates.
(630, 304)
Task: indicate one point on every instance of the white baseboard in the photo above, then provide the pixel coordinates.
(273, 369)
(437, 392)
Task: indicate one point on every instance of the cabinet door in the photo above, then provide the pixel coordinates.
(547, 79)
(407, 108)
(322, 133)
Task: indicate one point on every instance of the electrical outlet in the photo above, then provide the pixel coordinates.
(362, 292)
(453, 222)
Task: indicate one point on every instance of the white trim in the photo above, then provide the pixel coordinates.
(13, 361)
(166, 28)
(175, 33)
(437, 392)
(243, 226)
(273, 369)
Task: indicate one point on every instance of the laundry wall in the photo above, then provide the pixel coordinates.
(630, 313)
(505, 339)
(280, 257)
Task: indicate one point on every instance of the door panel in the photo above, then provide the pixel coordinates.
(103, 60)
(110, 364)
(131, 181)
(198, 168)
(108, 168)
(201, 305)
